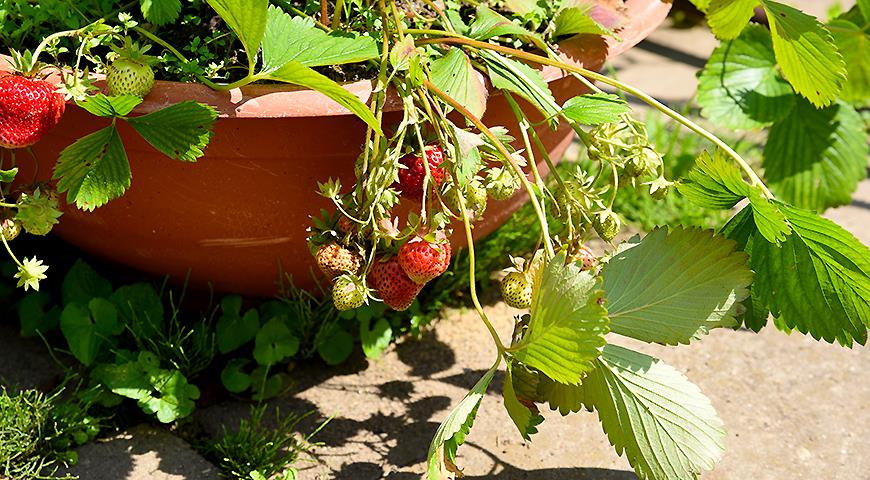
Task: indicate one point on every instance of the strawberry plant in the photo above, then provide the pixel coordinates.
(777, 257)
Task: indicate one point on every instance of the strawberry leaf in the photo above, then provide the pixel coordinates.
(160, 12)
(666, 427)
(93, 170)
(568, 322)
(674, 287)
(575, 21)
(815, 158)
(525, 415)
(714, 182)
(517, 77)
(818, 281)
(247, 19)
(488, 24)
(806, 53)
(289, 39)
(854, 44)
(454, 75)
(105, 106)
(741, 87)
(181, 131)
(728, 17)
(595, 108)
(453, 430)
(299, 74)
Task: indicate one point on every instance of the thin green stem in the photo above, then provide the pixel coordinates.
(473, 279)
(524, 125)
(548, 244)
(754, 178)
(12, 255)
(53, 37)
(8, 205)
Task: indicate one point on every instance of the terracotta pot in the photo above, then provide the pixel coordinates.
(239, 216)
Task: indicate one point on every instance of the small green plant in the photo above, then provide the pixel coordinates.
(261, 450)
(38, 432)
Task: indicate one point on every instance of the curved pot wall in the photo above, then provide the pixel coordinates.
(239, 215)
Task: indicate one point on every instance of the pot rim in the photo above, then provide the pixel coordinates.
(289, 101)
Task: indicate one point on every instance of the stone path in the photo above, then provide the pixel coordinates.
(794, 408)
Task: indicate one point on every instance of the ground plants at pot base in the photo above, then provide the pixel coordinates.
(439, 159)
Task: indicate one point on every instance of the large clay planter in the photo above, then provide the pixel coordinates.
(239, 216)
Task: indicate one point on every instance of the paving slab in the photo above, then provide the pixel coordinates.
(143, 452)
(24, 362)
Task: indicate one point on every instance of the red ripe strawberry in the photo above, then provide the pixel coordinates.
(411, 177)
(28, 109)
(392, 284)
(423, 260)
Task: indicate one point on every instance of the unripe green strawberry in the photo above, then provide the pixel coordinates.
(348, 293)
(606, 224)
(501, 183)
(130, 73)
(516, 289)
(475, 199)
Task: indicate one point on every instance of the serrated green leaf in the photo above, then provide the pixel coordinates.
(806, 53)
(525, 415)
(769, 220)
(453, 430)
(742, 229)
(233, 377)
(814, 158)
(595, 108)
(290, 38)
(576, 21)
(672, 288)
(375, 339)
(298, 74)
(234, 329)
(666, 427)
(38, 213)
(453, 75)
(94, 169)
(714, 182)
(181, 131)
(568, 322)
(521, 79)
(740, 87)
(274, 343)
(139, 306)
(727, 18)
(104, 106)
(564, 398)
(488, 24)
(854, 44)
(247, 19)
(160, 12)
(82, 283)
(818, 281)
